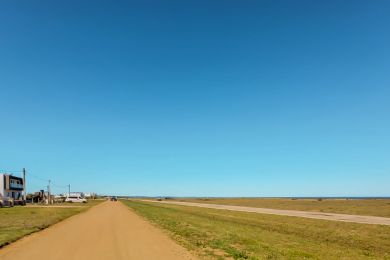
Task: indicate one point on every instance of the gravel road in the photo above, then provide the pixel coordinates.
(295, 213)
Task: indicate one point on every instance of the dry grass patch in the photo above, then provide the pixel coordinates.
(19, 221)
(242, 235)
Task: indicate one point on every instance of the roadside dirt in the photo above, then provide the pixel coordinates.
(295, 213)
(109, 230)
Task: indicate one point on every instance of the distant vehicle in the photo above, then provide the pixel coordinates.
(76, 199)
(6, 202)
(114, 199)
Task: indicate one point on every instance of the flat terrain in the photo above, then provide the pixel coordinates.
(109, 230)
(220, 234)
(294, 213)
(369, 207)
(19, 221)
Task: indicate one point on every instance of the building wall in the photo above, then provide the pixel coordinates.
(1, 184)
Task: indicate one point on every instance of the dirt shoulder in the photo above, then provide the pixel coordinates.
(107, 231)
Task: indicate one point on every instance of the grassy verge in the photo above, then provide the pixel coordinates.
(369, 207)
(19, 221)
(221, 234)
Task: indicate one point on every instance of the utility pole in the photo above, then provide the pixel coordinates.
(24, 186)
(68, 190)
(48, 193)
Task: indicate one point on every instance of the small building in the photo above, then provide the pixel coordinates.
(36, 197)
(90, 195)
(12, 187)
(76, 194)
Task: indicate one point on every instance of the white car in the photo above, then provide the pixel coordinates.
(72, 199)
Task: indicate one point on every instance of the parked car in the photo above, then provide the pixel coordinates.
(76, 199)
(20, 202)
(114, 199)
(6, 202)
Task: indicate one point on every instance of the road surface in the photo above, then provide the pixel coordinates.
(295, 213)
(109, 230)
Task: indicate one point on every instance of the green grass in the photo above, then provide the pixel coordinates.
(220, 234)
(19, 221)
(369, 207)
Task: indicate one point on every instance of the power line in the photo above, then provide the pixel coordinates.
(39, 178)
(7, 171)
(59, 186)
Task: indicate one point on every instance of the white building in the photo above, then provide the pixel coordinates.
(11, 186)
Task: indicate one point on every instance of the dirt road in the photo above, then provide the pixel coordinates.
(294, 213)
(107, 231)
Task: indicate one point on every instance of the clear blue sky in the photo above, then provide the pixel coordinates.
(198, 98)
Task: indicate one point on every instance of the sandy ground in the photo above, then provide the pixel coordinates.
(294, 213)
(109, 230)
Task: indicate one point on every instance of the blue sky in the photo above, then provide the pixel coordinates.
(198, 98)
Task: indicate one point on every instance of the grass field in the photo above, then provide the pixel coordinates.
(369, 207)
(221, 234)
(19, 221)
